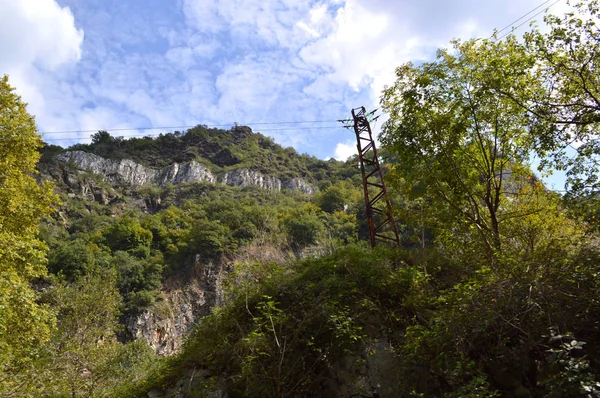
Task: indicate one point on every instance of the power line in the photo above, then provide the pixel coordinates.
(185, 127)
(156, 134)
(527, 20)
(517, 20)
(124, 129)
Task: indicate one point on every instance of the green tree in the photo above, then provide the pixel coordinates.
(24, 323)
(86, 340)
(337, 197)
(341, 227)
(303, 225)
(208, 239)
(127, 234)
(72, 258)
(102, 137)
(566, 103)
(563, 101)
(461, 145)
(332, 199)
(137, 279)
(463, 129)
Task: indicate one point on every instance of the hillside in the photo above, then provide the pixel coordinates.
(219, 150)
(161, 210)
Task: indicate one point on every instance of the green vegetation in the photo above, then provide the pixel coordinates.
(284, 335)
(196, 222)
(288, 331)
(109, 258)
(219, 150)
(496, 292)
(25, 324)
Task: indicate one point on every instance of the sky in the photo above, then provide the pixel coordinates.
(88, 65)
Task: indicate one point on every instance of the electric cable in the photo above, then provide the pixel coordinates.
(517, 20)
(154, 135)
(527, 20)
(185, 127)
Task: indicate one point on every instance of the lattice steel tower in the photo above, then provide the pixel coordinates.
(378, 206)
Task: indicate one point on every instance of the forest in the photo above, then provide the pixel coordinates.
(495, 291)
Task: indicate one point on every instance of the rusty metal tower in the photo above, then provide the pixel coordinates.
(378, 206)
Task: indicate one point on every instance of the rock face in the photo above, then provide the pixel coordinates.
(298, 184)
(185, 302)
(188, 172)
(128, 172)
(244, 177)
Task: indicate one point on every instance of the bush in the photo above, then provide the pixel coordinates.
(208, 239)
(137, 279)
(72, 259)
(127, 234)
(303, 225)
(284, 329)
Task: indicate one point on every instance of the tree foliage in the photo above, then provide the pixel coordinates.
(86, 341)
(461, 146)
(567, 103)
(464, 129)
(25, 324)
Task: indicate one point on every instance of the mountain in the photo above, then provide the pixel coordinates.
(215, 263)
(181, 218)
(217, 149)
(172, 214)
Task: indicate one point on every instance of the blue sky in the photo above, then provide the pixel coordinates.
(104, 64)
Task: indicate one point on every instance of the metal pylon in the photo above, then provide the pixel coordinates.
(378, 206)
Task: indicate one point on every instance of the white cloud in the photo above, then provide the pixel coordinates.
(253, 87)
(344, 150)
(367, 39)
(205, 48)
(90, 119)
(37, 39)
(181, 57)
(222, 61)
(203, 15)
(270, 22)
(37, 32)
(311, 31)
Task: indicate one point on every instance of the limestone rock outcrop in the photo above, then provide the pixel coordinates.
(245, 177)
(127, 172)
(298, 184)
(184, 303)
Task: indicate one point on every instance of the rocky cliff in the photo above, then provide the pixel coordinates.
(244, 177)
(185, 301)
(127, 172)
